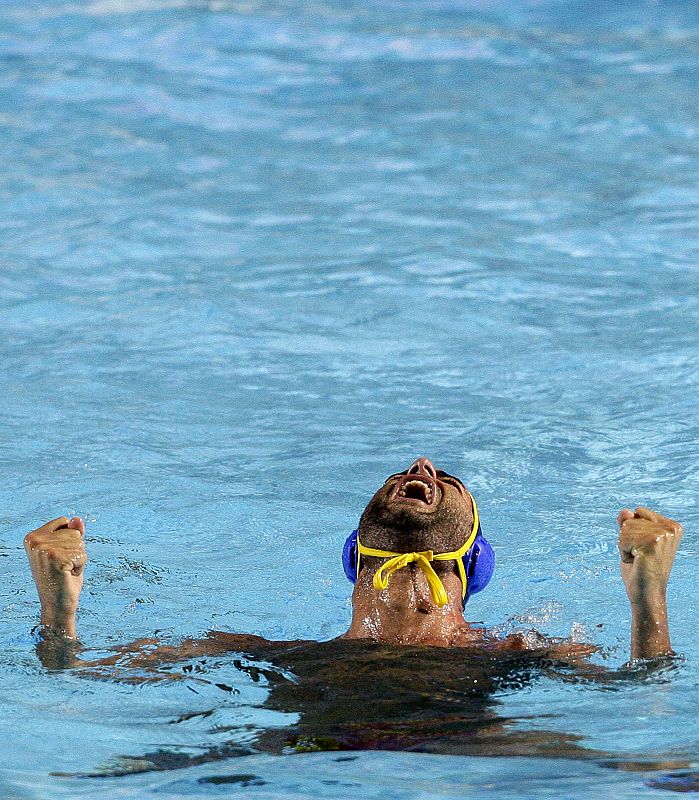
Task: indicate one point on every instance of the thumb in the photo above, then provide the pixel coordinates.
(74, 568)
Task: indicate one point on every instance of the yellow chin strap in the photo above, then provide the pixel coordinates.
(397, 561)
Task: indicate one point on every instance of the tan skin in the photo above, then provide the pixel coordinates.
(648, 544)
(404, 613)
(57, 557)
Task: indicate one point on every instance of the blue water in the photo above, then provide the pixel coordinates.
(256, 256)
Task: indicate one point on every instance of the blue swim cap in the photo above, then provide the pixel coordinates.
(349, 557)
(480, 565)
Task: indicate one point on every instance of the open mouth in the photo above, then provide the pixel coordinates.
(415, 490)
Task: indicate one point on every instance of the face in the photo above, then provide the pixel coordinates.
(423, 504)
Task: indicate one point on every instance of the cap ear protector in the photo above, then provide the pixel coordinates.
(477, 563)
(350, 557)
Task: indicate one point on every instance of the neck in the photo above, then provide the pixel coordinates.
(405, 612)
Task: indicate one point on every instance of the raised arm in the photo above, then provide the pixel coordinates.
(56, 553)
(648, 544)
(57, 556)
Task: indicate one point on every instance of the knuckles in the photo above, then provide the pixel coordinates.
(653, 537)
(34, 540)
(66, 543)
(646, 521)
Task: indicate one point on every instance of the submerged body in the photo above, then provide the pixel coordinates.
(362, 695)
(410, 673)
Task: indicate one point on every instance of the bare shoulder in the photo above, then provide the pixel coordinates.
(542, 646)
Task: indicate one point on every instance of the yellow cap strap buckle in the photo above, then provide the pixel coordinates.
(397, 561)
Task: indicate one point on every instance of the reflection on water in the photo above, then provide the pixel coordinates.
(360, 695)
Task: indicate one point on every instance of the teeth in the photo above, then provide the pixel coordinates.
(422, 485)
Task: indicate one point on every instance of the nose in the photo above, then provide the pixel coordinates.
(423, 466)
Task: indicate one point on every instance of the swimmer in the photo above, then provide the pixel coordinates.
(417, 557)
(410, 673)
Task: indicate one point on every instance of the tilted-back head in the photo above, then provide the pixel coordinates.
(423, 516)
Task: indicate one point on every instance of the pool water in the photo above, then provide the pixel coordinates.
(255, 257)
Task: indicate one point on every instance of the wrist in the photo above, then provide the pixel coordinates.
(648, 600)
(650, 635)
(60, 621)
(647, 593)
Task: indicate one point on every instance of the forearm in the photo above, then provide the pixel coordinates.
(57, 558)
(58, 620)
(648, 544)
(650, 632)
(58, 602)
(58, 645)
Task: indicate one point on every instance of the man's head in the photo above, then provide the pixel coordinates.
(423, 519)
(422, 508)
(416, 558)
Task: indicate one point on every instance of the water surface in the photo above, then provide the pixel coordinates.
(257, 256)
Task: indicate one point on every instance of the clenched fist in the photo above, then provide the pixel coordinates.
(648, 544)
(57, 556)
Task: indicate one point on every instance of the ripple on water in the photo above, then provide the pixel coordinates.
(258, 256)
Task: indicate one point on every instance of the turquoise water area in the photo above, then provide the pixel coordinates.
(256, 256)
